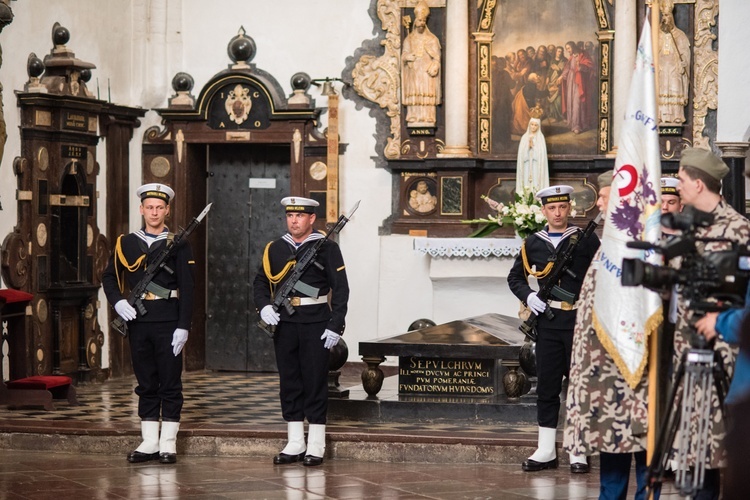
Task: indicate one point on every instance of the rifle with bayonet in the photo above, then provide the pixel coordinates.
(550, 289)
(135, 298)
(293, 279)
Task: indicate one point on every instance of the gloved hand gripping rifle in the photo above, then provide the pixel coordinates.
(550, 289)
(135, 298)
(292, 281)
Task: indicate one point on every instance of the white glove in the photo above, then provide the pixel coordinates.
(270, 316)
(535, 303)
(125, 310)
(331, 339)
(179, 338)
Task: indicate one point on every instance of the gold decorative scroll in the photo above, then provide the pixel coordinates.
(486, 17)
(705, 69)
(332, 179)
(378, 79)
(180, 141)
(484, 81)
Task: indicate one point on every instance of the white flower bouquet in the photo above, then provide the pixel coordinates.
(525, 214)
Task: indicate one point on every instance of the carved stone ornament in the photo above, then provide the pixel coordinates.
(42, 158)
(318, 170)
(15, 261)
(91, 354)
(41, 310)
(101, 255)
(90, 162)
(378, 79)
(705, 69)
(160, 166)
(238, 104)
(41, 234)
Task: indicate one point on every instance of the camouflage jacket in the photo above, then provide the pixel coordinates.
(728, 224)
(603, 414)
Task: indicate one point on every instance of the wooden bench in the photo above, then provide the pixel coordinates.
(38, 390)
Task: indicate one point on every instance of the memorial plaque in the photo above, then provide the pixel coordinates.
(75, 121)
(68, 151)
(446, 376)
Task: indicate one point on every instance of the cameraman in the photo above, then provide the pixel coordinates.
(700, 176)
(727, 325)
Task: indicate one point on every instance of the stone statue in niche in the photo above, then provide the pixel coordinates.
(532, 169)
(420, 56)
(674, 68)
(421, 199)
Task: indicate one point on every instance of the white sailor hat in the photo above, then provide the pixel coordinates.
(669, 185)
(298, 204)
(554, 194)
(155, 190)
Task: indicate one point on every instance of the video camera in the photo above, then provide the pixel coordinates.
(721, 276)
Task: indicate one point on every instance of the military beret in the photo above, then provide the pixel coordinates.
(705, 160)
(605, 179)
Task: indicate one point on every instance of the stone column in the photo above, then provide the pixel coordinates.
(626, 42)
(456, 95)
(733, 185)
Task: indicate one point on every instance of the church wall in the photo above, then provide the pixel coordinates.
(392, 285)
(734, 69)
(733, 126)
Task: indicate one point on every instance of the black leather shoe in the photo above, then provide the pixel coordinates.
(533, 466)
(167, 458)
(311, 461)
(283, 458)
(136, 457)
(579, 468)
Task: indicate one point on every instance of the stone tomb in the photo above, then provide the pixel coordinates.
(465, 369)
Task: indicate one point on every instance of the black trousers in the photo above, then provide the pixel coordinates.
(303, 371)
(553, 351)
(157, 369)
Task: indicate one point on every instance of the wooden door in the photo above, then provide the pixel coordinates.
(245, 184)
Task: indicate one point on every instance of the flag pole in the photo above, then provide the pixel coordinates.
(653, 341)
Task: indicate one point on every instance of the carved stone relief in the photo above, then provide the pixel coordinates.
(705, 68)
(378, 79)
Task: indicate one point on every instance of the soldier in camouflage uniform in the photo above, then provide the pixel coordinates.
(603, 414)
(700, 177)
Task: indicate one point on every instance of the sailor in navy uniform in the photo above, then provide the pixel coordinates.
(156, 338)
(303, 340)
(555, 337)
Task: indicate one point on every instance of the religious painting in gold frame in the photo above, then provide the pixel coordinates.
(553, 59)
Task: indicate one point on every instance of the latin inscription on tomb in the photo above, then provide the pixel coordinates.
(458, 377)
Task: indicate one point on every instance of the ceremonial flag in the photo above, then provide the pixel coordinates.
(624, 317)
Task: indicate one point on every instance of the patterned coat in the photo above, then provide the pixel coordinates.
(729, 224)
(603, 414)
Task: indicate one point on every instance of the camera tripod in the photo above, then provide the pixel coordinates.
(700, 367)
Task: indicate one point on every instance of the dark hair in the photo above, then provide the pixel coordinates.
(712, 184)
